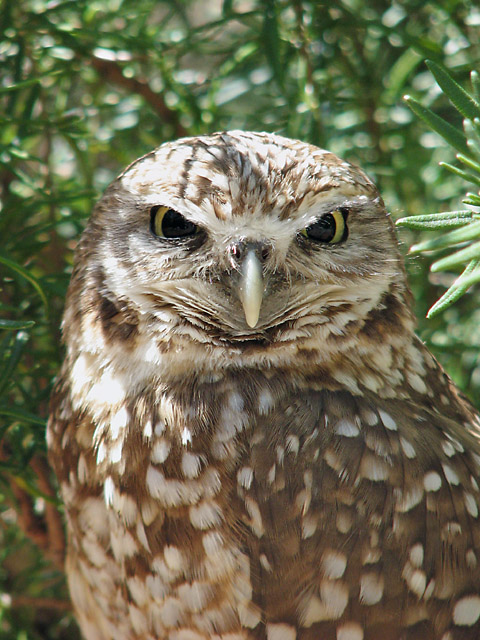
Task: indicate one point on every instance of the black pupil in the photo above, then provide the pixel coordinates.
(174, 225)
(323, 229)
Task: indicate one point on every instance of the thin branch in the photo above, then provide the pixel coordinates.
(28, 521)
(112, 72)
(37, 603)
(53, 519)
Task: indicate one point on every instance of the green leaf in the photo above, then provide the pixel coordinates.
(464, 102)
(16, 345)
(451, 134)
(22, 416)
(436, 220)
(472, 199)
(470, 275)
(466, 233)
(469, 177)
(27, 275)
(15, 325)
(469, 253)
(469, 162)
(271, 41)
(475, 80)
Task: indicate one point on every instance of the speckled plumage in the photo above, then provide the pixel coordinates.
(314, 476)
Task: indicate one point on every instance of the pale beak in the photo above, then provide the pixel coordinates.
(251, 286)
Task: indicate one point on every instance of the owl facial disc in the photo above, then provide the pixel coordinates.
(251, 286)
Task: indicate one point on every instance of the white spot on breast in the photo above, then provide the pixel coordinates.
(116, 451)
(138, 590)
(432, 481)
(245, 477)
(118, 422)
(93, 517)
(171, 493)
(344, 522)
(292, 444)
(408, 448)
(212, 542)
(416, 554)
(369, 417)
(156, 587)
(101, 452)
(471, 559)
(95, 553)
(334, 563)
(349, 631)
(309, 525)
(265, 563)
(174, 558)
(126, 507)
(388, 421)
(205, 515)
(373, 468)
(211, 482)
(142, 536)
(271, 474)
(471, 504)
(122, 543)
(334, 599)
(280, 632)
(138, 620)
(195, 596)
(108, 491)
(416, 382)
(415, 578)
(147, 430)
(159, 428)
(191, 464)
(256, 519)
(150, 510)
(186, 436)
(448, 448)
(466, 612)
(248, 615)
(265, 401)
(171, 611)
(451, 530)
(450, 474)
(409, 499)
(371, 588)
(346, 428)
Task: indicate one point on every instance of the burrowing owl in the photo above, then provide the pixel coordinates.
(249, 439)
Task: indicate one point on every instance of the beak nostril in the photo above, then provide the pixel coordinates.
(265, 252)
(238, 250)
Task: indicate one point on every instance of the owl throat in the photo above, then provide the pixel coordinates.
(174, 392)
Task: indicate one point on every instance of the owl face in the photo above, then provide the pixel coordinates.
(241, 237)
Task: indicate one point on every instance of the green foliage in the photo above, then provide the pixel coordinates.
(464, 241)
(88, 86)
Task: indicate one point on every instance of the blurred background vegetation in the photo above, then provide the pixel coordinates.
(87, 86)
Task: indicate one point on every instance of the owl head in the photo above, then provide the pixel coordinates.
(239, 241)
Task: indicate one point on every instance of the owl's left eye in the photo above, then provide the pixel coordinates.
(167, 223)
(331, 228)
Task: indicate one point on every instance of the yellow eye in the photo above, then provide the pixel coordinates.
(167, 223)
(330, 228)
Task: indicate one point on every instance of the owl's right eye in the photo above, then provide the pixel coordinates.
(167, 223)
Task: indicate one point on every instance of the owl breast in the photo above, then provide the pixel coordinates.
(242, 505)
